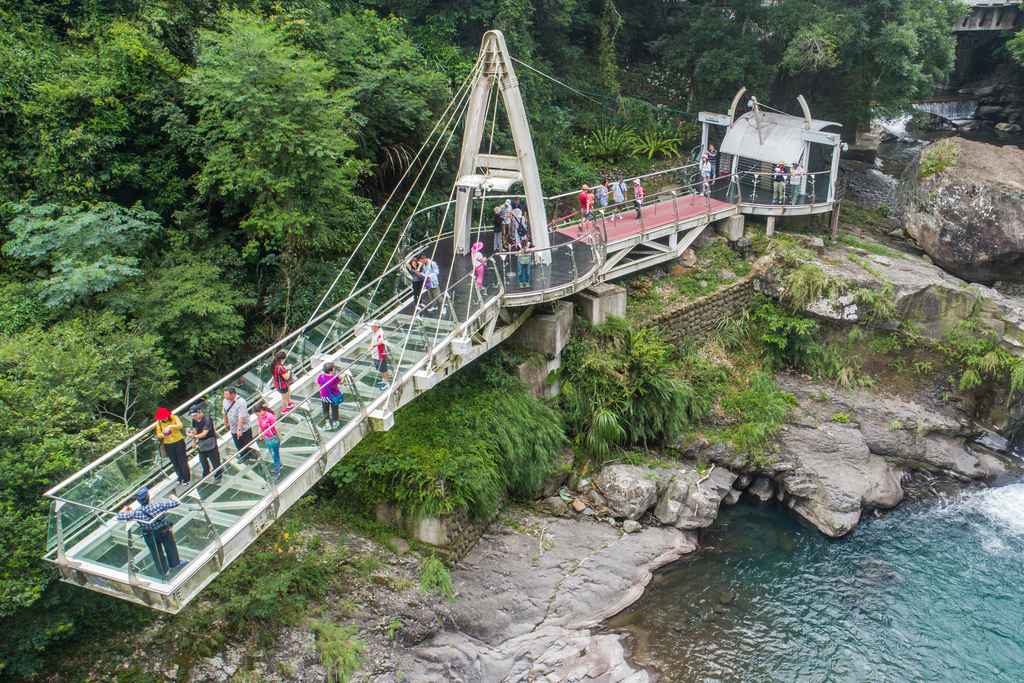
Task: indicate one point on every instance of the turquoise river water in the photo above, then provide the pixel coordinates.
(931, 591)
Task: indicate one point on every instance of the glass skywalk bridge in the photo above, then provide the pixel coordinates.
(217, 521)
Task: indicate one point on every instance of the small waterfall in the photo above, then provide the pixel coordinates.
(897, 127)
(951, 110)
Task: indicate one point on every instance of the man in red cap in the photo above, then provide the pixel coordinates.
(168, 431)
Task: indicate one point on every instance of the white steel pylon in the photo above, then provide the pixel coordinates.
(481, 171)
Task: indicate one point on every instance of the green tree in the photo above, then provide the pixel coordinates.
(188, 302)
(273, 140)
(67, 395)
(395, 96)
(1015, 46)
(87, 123)
(850, 56)
(88, 248)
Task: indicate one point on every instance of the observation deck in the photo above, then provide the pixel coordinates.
(217, 521)
(471, 314)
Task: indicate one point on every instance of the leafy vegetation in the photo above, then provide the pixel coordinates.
(621, 387)
(870, 247)
(457, 447)
(939, 157)
(435, 578)
(338, 649)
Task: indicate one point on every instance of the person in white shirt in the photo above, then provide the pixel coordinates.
(796, 177)
(431, 281)
(379, 353)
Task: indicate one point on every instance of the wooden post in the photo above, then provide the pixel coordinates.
(770, 228)
(835, 220)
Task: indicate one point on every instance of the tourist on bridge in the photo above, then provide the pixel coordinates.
(705, 176)
(638, 196)
(431, 280)
(479, 263)
(796, 176)
(779, 177)
(331, 395)
(416, 273)
(236, 421)
(619, 191)
(712, 155)
(586, 209)
(519, 226)
(267, 425)
(602, 193)
(204, 436)
(379, 352)
(506, 221)
(168, 429)
(282, 376)
(525, 261)
(156, 530)
(499, 226)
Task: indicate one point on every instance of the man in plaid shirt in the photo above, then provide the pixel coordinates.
(156, 529)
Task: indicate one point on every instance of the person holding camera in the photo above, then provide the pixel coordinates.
(282, 376)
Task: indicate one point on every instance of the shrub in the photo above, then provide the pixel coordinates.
(435, 578)
(808, 283)
(467, 442)
(611, 143)
(788, 339)
(939, 157)
(624, 389)
(655, 141)
(640, 288)
(338, 649)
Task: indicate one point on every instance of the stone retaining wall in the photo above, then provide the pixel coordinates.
(702, 315)
(453, 535)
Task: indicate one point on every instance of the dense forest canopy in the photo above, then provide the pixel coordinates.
(181, 180)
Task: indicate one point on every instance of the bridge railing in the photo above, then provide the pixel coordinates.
(758, 187)
(215, 511)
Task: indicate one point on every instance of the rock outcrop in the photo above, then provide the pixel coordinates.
(925, 296)
(682, 498)
(969, 215)
(525, 614)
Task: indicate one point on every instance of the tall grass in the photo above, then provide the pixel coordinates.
(470, 441)
(338, 649)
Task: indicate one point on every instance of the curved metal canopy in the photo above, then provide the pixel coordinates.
(779, 139)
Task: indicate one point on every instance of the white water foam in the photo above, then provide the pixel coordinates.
(1003, 506)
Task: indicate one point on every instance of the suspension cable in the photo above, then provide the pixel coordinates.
(552, 78)
(469, 78)
(426, 186)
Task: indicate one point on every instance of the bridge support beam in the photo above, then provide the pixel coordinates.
(496, 66)
(600, 300)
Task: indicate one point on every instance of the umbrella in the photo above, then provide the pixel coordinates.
(477, 247)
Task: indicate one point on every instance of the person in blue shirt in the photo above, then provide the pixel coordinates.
(156, 530)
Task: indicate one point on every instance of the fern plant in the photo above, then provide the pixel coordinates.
(612, 143)
(655, 141)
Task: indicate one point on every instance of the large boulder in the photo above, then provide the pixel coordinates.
(692, 502)
(630, 490)
(968, 212)
(830, 476)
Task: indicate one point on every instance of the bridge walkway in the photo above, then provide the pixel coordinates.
(217, 521)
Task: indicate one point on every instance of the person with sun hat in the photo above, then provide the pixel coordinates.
(168, 429)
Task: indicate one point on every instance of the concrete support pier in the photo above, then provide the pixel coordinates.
(600, 300)
(547, 334)
(731, 228)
